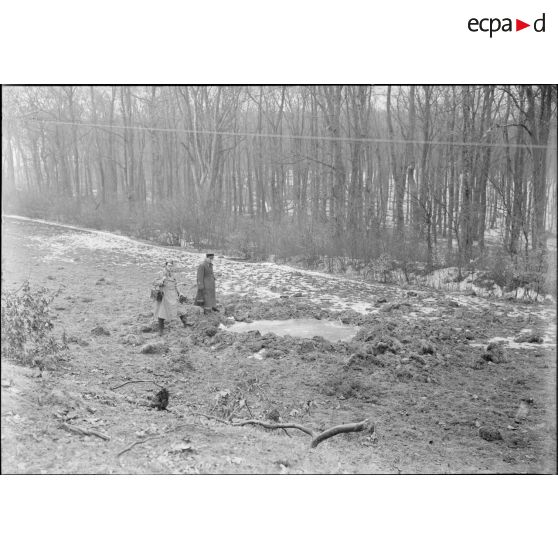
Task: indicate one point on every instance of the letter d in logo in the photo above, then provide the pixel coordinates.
(539, 24)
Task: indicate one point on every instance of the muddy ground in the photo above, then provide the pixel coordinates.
(418, 367)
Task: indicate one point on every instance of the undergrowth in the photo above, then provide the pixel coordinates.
(375, 253)
(27, 327)
(530, 272)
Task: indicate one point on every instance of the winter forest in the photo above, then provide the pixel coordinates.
(372, 177)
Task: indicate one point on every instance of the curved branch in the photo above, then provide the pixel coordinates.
(137, 382)
(133, 444)
(367, 425)
(273, 426)
(211, 417)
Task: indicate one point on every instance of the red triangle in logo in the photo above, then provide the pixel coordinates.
(519, 25)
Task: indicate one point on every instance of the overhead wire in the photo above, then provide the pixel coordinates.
(281, 136)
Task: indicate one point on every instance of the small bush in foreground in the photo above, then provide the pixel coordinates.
(26, 327)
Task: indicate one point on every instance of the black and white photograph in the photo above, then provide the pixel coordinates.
(279, 279)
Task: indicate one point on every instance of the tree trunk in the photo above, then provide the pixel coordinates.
(466, 225)
(398, 179)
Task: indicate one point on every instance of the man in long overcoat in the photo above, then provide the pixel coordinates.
(206, 284)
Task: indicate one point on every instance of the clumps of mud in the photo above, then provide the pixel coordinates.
(380, 339)
(378, 344)
(426, 347)
(181, 363)
(154, 348)
(346, 388)
(100, 330)
(205, 329)
(269, 345)
(191, 311)
(131, 339)
(396, 306)
(384, 345)
(388, 337)
(490, 434)
(495, 353)
(358, 385)
(529, 338)
(350, 317)
(375, 330)
(208, 330)
(248, 309)
(363, 361)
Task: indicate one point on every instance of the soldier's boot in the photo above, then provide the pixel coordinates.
(161, 326)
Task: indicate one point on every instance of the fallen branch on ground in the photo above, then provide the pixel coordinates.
(137, 382)
(274, 425)
(211, 417)
(83, 431)
(365, 425)
(137, 442)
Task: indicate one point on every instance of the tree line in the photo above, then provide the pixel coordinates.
(355, 171)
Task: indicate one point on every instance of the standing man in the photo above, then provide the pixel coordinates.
(206, 284)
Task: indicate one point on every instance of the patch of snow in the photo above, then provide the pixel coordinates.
(268, 280)
(362, 308)
(105, 234)
(511, 344)
(259, 355)
(427, 310)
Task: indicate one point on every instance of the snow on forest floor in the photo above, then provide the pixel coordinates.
(418, 365)
(267, 281)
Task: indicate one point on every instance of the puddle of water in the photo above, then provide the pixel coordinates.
(332, 331)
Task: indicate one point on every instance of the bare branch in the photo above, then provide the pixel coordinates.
(78, 430)
(274, 425)
(137, 382)
(366, 425)
(137, 443)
